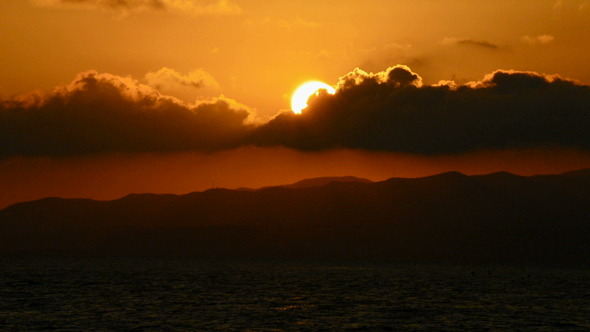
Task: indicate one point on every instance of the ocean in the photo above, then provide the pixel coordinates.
(188, 294)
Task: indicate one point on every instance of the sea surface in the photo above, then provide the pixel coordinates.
(186, 294)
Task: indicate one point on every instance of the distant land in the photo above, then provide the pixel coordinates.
(317, 182)
(449, 217)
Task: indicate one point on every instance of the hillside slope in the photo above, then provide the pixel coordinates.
(498, 217)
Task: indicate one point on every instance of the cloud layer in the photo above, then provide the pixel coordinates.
(390, 110)
(108, 113)
(393, 111)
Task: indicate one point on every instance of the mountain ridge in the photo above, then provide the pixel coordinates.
(499, 217)
(312, 182)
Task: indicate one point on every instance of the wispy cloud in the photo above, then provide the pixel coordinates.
(538, 40)
(124, 7)
(468, 42)
(195, 84)
(166, 76)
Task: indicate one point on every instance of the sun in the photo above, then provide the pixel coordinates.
(306, 90)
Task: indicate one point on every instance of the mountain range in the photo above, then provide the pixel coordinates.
(450, 217)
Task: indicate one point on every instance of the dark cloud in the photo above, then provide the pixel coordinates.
(385, 111)
(469, 42)
(479, 43)
(393, 111)
(107, 113)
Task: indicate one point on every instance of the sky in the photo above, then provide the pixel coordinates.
(101, 98)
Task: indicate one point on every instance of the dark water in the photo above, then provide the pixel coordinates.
(141, 294)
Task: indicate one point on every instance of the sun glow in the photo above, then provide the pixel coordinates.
(306, 90)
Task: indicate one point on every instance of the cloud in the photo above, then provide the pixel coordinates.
(399, 75)
(193, 85)
(393, 111)
(107, 113)
(469, 42)
(166, 76)
(123, 7)
(538, 40)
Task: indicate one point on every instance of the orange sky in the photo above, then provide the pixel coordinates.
(259, 51)
(255, 53)
(114, 176)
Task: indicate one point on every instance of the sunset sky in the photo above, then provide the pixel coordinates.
(101, 98)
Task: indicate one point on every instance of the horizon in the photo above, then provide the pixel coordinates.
(176, 97)
(154, 98)
(308, 183)
(540, 220)
(154, 152)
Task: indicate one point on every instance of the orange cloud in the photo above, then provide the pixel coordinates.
(193, 85)
(538, 40)
(196, 78)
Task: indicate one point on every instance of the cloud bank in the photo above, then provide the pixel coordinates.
(107, 113)
(393, 111)
(390, 110)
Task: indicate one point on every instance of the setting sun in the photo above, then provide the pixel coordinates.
(304, 91)
(264, 150)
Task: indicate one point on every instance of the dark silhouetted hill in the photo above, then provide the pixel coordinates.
(500, 217)
(316, 182)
